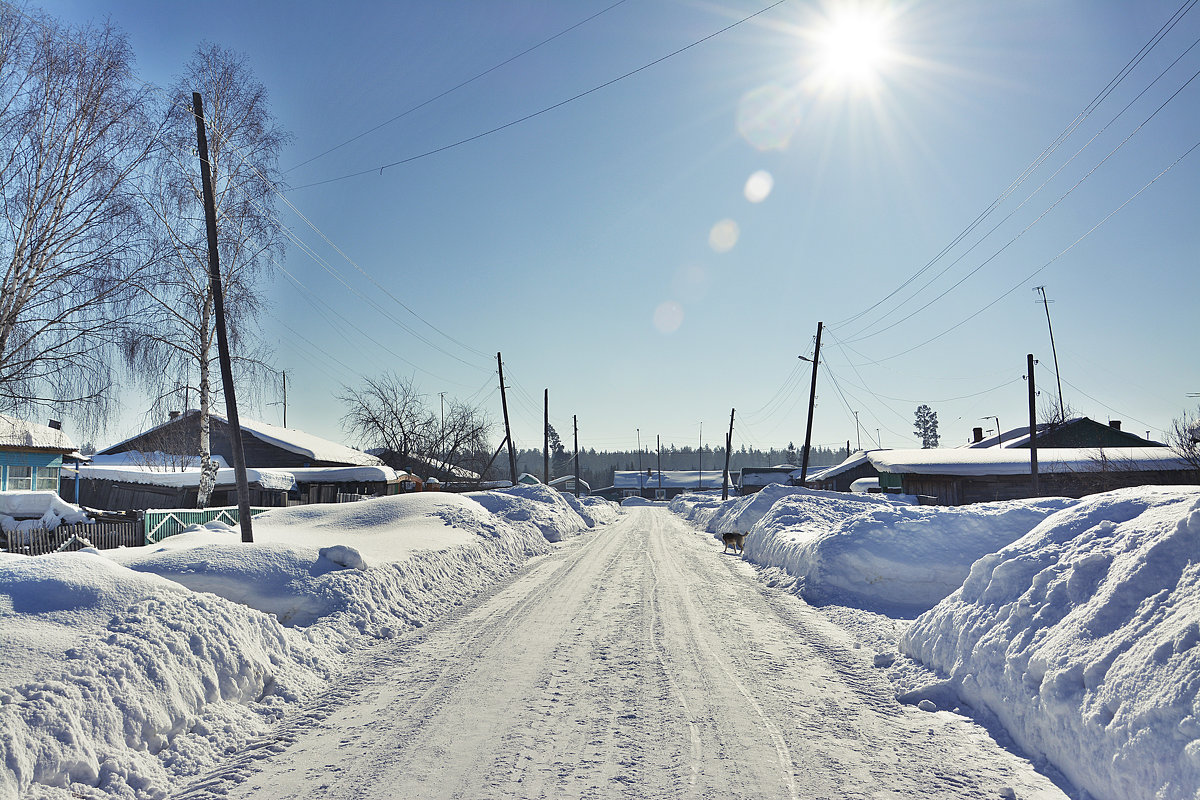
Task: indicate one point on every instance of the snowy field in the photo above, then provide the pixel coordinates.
(1073, 625)
(180, 652)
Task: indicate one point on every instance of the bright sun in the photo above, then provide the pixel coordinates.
(852, 48)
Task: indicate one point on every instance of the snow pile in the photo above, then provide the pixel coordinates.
(593, 510)
(1083, 639)
(536, 508)
(866, 549)
(130, 671)
(35, 511)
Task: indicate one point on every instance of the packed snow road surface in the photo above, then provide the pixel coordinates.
(635, 662)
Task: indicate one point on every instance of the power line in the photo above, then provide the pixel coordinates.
(1037, 162)
(546, 109)
(456, 87)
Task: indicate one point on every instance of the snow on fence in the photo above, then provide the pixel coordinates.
(161, 523)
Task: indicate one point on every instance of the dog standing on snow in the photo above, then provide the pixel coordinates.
(735, 540)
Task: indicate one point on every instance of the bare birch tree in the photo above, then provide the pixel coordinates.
(73, 140)
(389, 414)
(177, 349)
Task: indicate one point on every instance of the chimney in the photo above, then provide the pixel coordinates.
(1115, 424)
(174, 414)
(978, 432)
(56, 424)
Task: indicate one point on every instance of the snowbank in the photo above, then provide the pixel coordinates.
(550, 513)
(1083, 639)
(129, 671)
(29, 511)
(866, 549)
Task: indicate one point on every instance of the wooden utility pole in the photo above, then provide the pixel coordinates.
(546, 436)
(728, 448)
(1033, 462)
(512, 455)
(659, 461)
(575, 423)
(812, 401)
(1062, 409)
(285, 398)
(214, 281)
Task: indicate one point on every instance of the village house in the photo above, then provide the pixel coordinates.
(31, 455)
(159, 468)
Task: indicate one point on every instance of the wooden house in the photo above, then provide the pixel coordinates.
(755, 479)
(655, 485)
(31, 455)
(159, 469)
(958, 476)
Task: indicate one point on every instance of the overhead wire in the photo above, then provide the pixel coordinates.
(544, 110)
(1042, 157)
(1039, 218)
(456, 87)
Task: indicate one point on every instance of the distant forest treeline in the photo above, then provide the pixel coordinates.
(596, 467)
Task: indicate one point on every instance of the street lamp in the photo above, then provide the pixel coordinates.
(999, 432)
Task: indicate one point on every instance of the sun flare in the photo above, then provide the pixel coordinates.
(851, 49)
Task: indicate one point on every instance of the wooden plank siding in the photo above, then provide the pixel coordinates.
(956, 490)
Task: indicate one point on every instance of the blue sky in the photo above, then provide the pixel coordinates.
(586, 242)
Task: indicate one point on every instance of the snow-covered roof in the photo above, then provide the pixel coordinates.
(305, 444)
(852, 461)
(1003, 461)
(16, 433)
(184, 478)
(112, 468)
(671, 479)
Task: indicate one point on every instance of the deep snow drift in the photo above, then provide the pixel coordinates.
(129, 670)
(1077, 627)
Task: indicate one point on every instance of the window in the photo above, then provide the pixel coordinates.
(47, 479)
(20, 478)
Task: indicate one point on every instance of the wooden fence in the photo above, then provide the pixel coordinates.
(102, 535)
(159, 523)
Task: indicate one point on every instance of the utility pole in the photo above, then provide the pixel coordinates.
(857, 433)
(659, 461)
(641, 479)
(1033, 462)
(728, 447)
(1062, 409)
(512, 455)
(285, 398)
(546, 437)
(812, 401)
(575, 422)
(700, 460)
(214, 278)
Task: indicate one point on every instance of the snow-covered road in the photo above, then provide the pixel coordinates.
(637, 661)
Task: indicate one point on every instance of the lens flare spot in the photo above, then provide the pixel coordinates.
(668, 316)
(768, 117)
(759, 186)
(724, 236)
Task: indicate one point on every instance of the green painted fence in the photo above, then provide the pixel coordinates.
(163, 523)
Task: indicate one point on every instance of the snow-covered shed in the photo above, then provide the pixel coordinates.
(755, 479)
(958, 476)
(31, 455)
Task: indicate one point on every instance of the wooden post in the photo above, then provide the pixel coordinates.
(214, 280)
(728, 447)
(659, 461)
(575, 423)
(512, 455)
(812, 400)
(546, 437)
(1033, 462)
